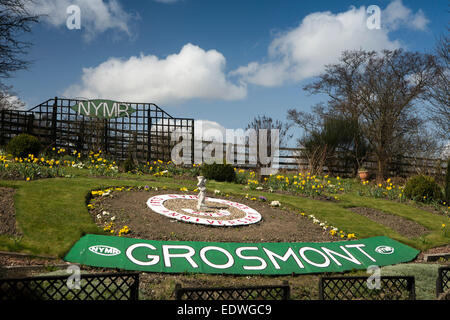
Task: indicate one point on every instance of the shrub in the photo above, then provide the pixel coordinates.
(447, 182)
(128, 165)
(218, 172)
(422, 188)
(23, 145)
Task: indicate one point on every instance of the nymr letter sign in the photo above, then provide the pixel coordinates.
(106, 109)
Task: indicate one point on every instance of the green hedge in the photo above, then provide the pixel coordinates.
(23, 145)
(218, 172)
(423, 188)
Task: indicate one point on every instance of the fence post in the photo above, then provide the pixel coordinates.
(54, 118)
(412, 288)
(2, 126)
(192, 142)
(134, 288)
(440, 280)
(321, 289)
(178, 292)
(149, 135)
(105, 135)
(287, 291)
(30, 123)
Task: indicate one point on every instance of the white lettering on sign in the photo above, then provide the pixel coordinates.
(229, 263)
(114, 109)
(289, 253)
(187, 255)
(348, 257)
(174, 255)
(358, 246)
(326, 262)
(104, 250)
(153, 259)
(251, 216)
(218, 214)
(240, 255)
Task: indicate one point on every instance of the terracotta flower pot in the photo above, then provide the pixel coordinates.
(363, 175)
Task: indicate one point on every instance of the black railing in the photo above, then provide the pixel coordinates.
(443, 280)
(144, 135)
(357, 288)
(269, 292)
(105, 286)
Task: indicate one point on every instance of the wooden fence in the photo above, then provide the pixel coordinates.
(293, 159)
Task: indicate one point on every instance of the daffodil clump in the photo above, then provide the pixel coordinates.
(31, 167)
(159, 168)
(52, 164)
(98, 164)
(386, 190)
(332, 230)
(3, 163)
(300, 183)
(245, 177)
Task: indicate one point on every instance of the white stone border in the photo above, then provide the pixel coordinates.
(156, 203)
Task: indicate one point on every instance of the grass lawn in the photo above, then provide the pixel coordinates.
(52, 213)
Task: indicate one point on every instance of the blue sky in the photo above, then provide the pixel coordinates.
(224, 61)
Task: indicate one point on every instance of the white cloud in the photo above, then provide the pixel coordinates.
(97, 16)
(191, 73)
(207, 130)
(397, 15)
(9, 101)
(320, 38)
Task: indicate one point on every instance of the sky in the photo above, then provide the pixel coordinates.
(220, 61)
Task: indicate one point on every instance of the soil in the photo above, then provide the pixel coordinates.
(277, 225)
(405, 227)
(25, 260)
(437, 250)
(8, 213)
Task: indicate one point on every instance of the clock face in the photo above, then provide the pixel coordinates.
(217, 212)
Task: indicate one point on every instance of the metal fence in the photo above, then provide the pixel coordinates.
(443, 280)
(105, 286)
(356, 288)
(125, 286)
(269, 292)
(144, 134)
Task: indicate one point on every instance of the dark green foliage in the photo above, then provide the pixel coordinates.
(447, 183)
(218, 172)
(422, 188)
(23, 145)
(338, 139)
(128, 165)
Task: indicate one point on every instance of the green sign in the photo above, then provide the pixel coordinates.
(237, 258)
(103, 108)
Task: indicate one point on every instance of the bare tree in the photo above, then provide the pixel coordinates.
(379, 91)
(8, 100)
(439, 91)
(263, 122)
(15, 20)
(268, 124)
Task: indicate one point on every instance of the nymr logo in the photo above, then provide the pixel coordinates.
(104, 250)
(384, 249)
(105, 109)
